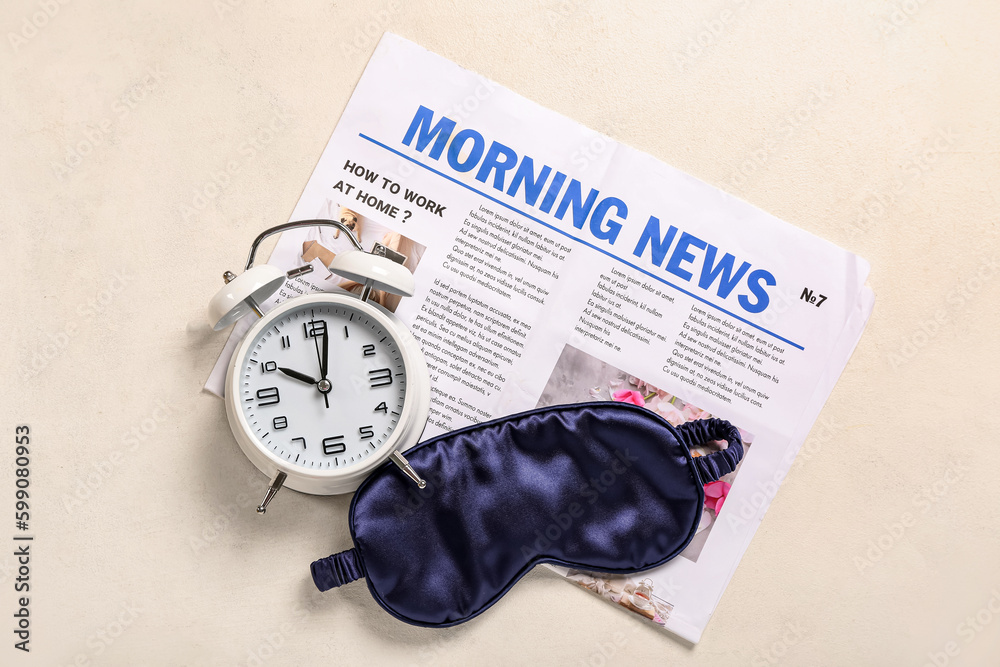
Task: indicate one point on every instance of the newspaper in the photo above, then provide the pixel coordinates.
(555, 265)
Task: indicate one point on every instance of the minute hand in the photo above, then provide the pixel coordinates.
(301, 377)
(323, 385)
(324, 363)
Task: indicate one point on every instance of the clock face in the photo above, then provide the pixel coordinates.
(322, 421)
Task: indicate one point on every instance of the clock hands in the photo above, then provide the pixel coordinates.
(301, 377)
(323, 385)
(324, 362)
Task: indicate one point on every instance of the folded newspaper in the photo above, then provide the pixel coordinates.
(555, 265)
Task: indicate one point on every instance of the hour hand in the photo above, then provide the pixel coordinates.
(301, 377)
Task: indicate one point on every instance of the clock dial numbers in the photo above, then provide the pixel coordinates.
(268, 396)
(334, 445)
(333, 398)
(314, 328)
(380, 378)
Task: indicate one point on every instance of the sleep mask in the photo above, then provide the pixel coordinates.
(603, 487)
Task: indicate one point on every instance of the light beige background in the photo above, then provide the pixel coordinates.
(830, 109)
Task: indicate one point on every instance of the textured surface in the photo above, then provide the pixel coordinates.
(873, 124)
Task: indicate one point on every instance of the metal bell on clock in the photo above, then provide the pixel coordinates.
(243, 293)
(375, 270)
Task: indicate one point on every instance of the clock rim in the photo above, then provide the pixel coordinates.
(412, 419)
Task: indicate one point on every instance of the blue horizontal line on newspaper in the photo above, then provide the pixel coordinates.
(578, 240)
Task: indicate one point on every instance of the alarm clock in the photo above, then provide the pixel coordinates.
(325, 387)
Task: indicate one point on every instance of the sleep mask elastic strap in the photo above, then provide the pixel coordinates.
(702, 431)
(336, 570)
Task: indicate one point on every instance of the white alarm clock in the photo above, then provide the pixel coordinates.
(325, 387)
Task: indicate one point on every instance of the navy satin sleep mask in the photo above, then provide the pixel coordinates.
(603, 487)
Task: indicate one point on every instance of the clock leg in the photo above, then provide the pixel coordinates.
(405, 466)
(276, 483)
